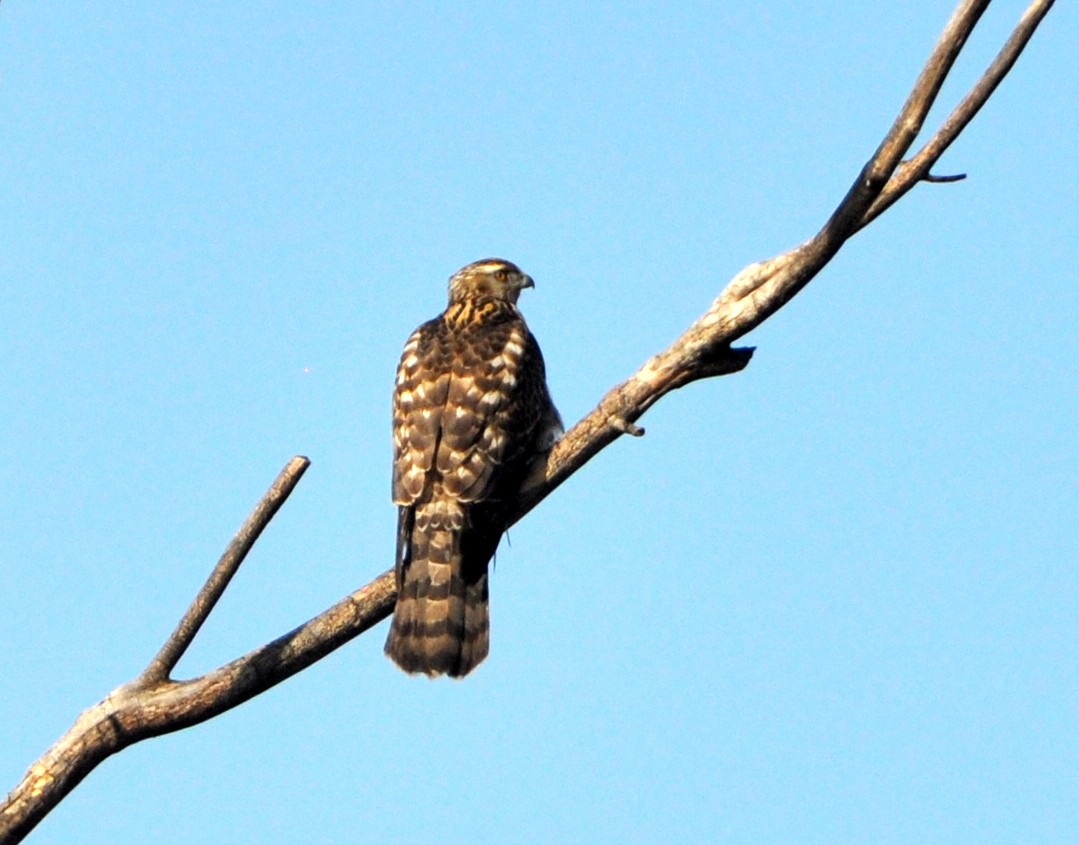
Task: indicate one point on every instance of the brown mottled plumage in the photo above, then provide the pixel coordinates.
(471, 413)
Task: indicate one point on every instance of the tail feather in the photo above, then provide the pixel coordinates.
(441, 623)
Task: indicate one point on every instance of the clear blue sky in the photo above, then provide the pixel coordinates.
(830, 599)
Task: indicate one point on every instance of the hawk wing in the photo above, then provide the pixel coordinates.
(470, 406)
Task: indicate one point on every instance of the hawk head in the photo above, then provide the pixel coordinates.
(491, 278)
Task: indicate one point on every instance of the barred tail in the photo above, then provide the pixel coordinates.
(440, 624)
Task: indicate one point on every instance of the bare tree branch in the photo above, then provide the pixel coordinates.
(761, 289)
(155, 704)
(909, 173)
(227, 566)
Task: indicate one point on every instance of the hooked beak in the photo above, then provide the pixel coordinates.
(526, 282)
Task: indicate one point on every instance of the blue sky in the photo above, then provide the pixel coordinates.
(830, 599)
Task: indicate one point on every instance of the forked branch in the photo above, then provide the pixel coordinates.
(154, 703)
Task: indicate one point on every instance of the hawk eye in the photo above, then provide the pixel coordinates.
(501, 274)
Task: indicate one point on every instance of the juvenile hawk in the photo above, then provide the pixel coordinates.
(471, 413)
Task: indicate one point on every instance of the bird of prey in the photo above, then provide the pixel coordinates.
(471, 416)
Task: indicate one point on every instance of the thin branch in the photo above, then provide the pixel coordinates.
(917, 168)
(940, 180)
(175, 646)
(879, 169)
(153, 704)
(763, 288)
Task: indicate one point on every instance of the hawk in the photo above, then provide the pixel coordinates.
(471, 414)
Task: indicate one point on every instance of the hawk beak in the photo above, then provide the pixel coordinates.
(526, 282)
